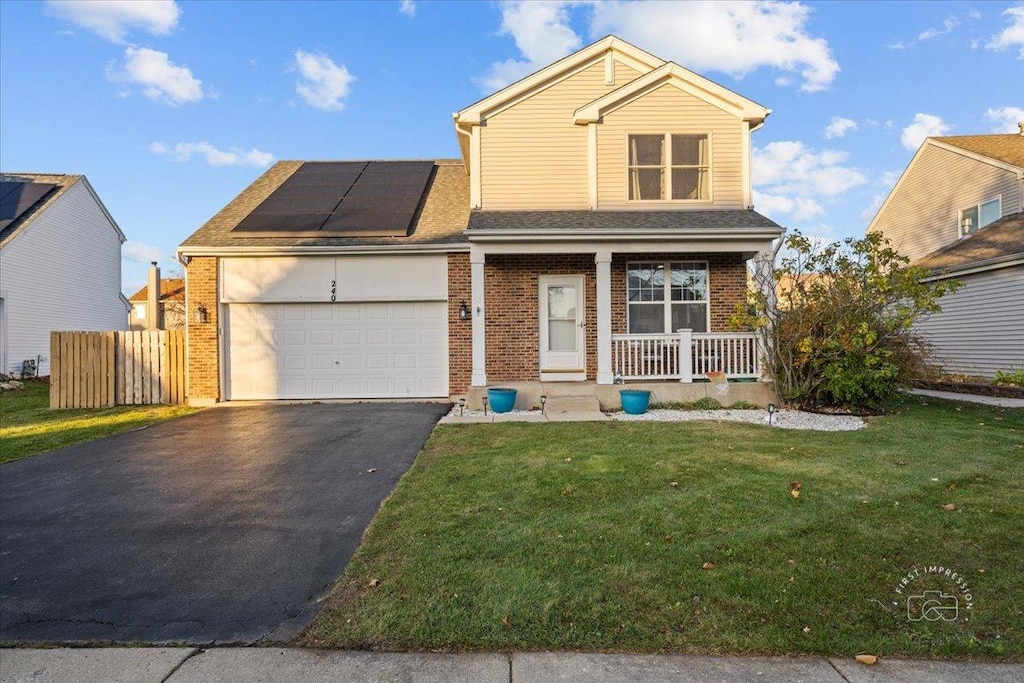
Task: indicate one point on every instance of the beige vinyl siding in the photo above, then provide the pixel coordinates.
(980, 328)
(532, 154)
(921, 216)
(670, 110)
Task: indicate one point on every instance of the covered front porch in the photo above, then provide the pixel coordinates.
(579, 314)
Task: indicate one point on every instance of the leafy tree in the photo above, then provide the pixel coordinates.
(836, 320)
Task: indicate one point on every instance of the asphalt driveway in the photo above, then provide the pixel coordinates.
(221, 527)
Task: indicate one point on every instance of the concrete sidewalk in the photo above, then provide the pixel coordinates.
(190, 665)
(1000, 401)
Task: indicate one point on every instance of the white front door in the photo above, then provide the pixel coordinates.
(563, 348)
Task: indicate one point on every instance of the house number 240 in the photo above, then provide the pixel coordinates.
(334, 290)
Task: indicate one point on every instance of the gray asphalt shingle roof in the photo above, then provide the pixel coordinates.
(625, 221)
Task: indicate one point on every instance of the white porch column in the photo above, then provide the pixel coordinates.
(686, 356)
(476, 272)
(603, 261)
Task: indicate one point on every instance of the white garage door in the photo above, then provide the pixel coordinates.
(340, 350)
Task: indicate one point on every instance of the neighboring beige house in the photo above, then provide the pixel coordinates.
(160, 305)
(60, 265)
(597, 228)
(957, 210)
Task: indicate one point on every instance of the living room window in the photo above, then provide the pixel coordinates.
(669, 167)
(664, 297)
(978, 216)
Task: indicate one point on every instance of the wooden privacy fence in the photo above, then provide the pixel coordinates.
(95, 369)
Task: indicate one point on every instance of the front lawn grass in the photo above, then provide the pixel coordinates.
(29, 427)
(573, 536)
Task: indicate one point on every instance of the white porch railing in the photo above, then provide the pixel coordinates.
(658, 357)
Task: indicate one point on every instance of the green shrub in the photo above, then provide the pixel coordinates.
(744, 405)
(1015, 378)
(837, 321)
(706, 403)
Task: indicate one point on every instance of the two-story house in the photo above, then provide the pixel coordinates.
(60, 266)
(957, 210)
(598, 227)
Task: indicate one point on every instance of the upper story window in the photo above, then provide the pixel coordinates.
(666, 297)
(978, 216)
(669, 167)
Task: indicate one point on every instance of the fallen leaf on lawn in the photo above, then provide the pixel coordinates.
(794, 493)
(867, 660)
(935, 478)
(949, 506)
(674, 484)
(708, 565)
(374, 582)
(371, 470)
(795, 486)
(807, 629)
(504, 621)
(981, 571)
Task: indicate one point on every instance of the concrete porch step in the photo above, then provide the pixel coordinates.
(572, 404)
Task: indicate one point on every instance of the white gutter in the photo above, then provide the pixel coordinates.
(980, 267)
(354, 250)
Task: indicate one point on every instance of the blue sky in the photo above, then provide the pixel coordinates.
(172, 108)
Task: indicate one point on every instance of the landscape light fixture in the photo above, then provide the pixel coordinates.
(483, 399)
(202, 315)
(543, 400)
(462, 406)
(463, 310)
(771, 411)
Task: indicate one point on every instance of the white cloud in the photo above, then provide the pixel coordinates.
(160, 79)
(1005, 119)
(947, 27)
(924, 126)
(898, 45)
(407, 7)
(323, 84)
(789, 167)
(1012, 35)
(840, 126)
(889, 178)
(800, 208)
(871, 209)
(735, 38)
(114, 19)
(141, 253)
(542, 34)
(232, 156)
(794, 180)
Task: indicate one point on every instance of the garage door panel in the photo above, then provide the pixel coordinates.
(344, 350)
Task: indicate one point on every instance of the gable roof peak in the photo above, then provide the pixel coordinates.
(476, 112)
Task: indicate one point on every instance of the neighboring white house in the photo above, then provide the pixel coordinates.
(60, 265)
(957, 210)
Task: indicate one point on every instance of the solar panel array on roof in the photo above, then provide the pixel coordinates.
(343, 198)
(16, 198)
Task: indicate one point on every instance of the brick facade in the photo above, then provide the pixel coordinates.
(511, 294)
(202, 346)
(460, 332)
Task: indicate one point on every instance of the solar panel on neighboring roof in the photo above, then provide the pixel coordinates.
(344, 198)
(17, 198)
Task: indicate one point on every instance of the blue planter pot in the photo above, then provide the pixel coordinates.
(635, 401)
(501, 400)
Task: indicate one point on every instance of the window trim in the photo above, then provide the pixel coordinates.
(667, 301)
(666, 168)
(960, 215)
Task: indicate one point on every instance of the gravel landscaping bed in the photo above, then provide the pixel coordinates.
(785, 419)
